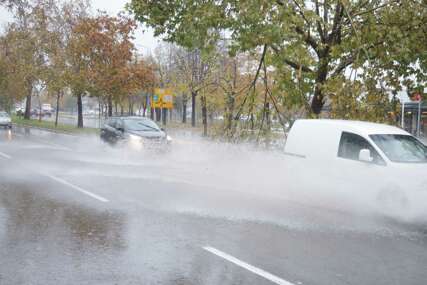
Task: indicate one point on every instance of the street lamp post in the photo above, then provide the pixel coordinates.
(419, 118)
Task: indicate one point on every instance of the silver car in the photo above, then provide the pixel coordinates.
(5, 120)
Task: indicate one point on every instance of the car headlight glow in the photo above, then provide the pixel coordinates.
(135, 142)
(168, 138)
(135, 138)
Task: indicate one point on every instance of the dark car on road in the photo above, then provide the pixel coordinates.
(135, 132)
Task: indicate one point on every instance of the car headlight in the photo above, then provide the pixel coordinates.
(135, 142)
(135, 138)
(168, 138)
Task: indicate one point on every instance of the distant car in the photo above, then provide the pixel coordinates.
(19, 111)
(136, 132)
(5, 120)
(47, 110)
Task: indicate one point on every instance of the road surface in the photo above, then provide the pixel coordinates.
(76, 211)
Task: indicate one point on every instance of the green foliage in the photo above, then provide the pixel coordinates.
(359, 101)
(309, 42)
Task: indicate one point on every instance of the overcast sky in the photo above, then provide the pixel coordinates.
(144, 41)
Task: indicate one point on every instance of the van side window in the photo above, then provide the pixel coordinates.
(351, 145)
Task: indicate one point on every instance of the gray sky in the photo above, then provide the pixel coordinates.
(144, 41)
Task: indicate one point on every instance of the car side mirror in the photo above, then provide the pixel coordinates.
(120, 129)
(365, 155)
(163, 129)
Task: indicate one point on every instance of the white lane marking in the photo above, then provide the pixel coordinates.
(62, 181)
(43, 146)
(5, 155)
(247, 266)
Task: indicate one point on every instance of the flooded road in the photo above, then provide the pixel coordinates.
(76, 211)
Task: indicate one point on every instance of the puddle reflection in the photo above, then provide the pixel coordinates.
(6, 135)
(33, 218)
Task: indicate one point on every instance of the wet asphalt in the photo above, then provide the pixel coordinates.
(76, 211)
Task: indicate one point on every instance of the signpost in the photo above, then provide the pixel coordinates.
(418, 98)
(163, 100)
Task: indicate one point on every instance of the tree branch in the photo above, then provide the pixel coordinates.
(344, 63)
(308, 39)
(339, 13)
(375, 8)
(319, 25)
(293, 64)
(300, 11)
(253, 83)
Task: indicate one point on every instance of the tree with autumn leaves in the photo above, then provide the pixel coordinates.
(103, 62)
(59, 47)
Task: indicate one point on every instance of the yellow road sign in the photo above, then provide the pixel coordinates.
(163, 98)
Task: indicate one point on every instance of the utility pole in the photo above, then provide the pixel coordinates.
(419, 118)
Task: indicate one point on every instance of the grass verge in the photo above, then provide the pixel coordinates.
(63, 128)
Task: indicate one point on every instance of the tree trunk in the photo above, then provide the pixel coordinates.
(100, 107)
(58, 96)
(121, 110)
(193, 108)
(184, 111)
(110, 106)
(151, 112)
(79, 111)
(229, 112)
(27, 114)
(318, 98)
(317, 102)
(40, 107)
(130, 111)
(164, 116)
(158, 114)
(267, 115)
(204, 116)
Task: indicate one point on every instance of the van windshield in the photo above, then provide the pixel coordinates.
(401, 148)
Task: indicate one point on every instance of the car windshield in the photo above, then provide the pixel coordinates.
(141, 125)
(401, 148)
(3, 114)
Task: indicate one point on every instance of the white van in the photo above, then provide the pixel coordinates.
(385, 162)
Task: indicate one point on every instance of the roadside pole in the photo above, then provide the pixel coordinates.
(403, 116)
(164, 116)
(419, 119)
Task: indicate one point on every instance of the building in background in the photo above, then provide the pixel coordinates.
(410, 123)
